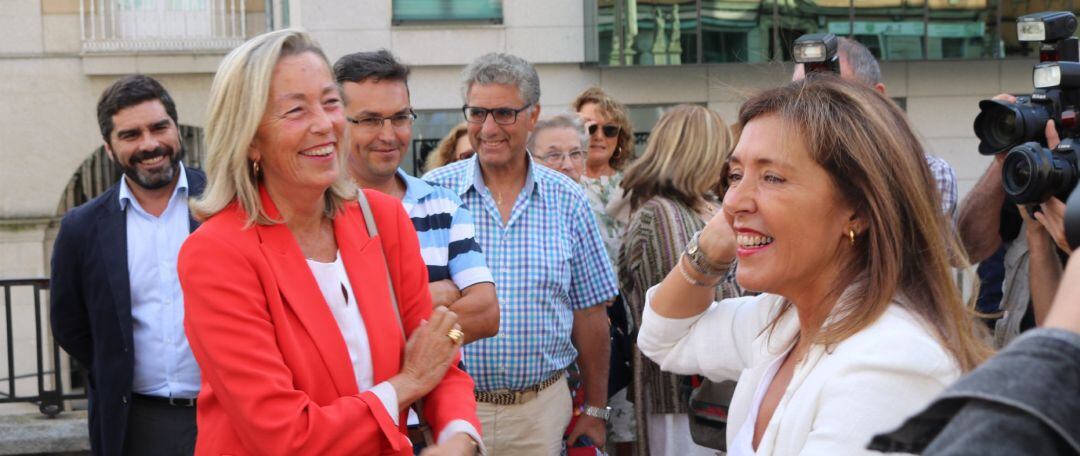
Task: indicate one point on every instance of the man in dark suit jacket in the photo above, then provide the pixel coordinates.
(116, 303)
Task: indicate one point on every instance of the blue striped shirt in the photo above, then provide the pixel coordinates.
(548, 261)
(445, 229)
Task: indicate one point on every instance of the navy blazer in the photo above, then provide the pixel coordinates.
(90, 307)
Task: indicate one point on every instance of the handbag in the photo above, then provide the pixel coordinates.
(709, 413)
(373, 231)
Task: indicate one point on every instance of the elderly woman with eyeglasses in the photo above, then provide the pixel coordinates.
(559, 142)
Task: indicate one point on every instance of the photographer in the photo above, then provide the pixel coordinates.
(988, 222)
(857, 64)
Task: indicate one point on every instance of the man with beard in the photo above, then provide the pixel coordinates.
(116, 303)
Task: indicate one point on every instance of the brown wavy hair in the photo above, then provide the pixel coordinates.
(443, 154)
(617, 115)
(865, 143)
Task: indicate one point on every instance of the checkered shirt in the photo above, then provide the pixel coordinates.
(548, 261)
(946, 184)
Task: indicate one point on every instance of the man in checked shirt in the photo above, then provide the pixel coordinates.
(552, 275)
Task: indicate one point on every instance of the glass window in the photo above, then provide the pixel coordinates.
(406, 11)
(672, 32)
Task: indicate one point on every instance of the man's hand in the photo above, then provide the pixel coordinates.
(593, 427)
(443, 293)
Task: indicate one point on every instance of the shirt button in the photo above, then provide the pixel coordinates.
(123, 400)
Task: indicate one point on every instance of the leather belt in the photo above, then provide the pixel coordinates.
(173, 401)
(508, 397)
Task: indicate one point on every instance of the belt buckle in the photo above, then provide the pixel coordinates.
(185, 402)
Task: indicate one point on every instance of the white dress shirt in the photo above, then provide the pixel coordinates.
(164, 365)
(338, 291)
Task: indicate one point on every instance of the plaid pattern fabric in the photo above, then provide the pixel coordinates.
(548, 261)
(946, 184)
(445, 229)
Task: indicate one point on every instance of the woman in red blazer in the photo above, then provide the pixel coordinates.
(283, 371)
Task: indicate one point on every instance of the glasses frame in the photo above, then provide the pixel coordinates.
(465, 112)
(549, 157)
(604, 130)
(382, 120)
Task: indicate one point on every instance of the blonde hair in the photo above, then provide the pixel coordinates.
(446, 152)
(238, 99)
(616, 114)
(683, 159)
(865, 144)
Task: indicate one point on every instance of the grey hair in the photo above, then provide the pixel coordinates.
(863, 64)
(499, 68)
(565, 120)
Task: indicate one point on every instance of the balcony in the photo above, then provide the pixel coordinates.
(132, 26)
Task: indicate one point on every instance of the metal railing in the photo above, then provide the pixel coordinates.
(161, 25)
(47, 370)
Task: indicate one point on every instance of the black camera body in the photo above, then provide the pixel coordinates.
(1032, 173)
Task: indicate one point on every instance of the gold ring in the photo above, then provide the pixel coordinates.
(456, 336)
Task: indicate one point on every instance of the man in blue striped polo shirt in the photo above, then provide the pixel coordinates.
(380, 116)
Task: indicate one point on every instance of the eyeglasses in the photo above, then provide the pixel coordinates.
(610, 131)
(502, 116)
(555, 158)
(373, 123)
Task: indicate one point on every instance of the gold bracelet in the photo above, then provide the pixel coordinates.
(693, 281)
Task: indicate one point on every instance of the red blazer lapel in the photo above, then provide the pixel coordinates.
(301, 292)
(366, 266)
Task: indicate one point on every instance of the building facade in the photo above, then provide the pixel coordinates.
(940, 57)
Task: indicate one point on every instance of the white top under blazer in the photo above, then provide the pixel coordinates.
(837, 399)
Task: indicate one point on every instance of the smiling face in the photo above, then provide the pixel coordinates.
(560, 149)
(499, 145)
(374, 155)
(790, 220)
(296, 144)
(146, 144)
(601, 147)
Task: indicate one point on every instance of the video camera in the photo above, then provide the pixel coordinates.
(817, 53)
(1032, 173)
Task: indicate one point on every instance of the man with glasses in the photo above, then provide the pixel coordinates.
(380, 117)
(552, 274)
(559, 143)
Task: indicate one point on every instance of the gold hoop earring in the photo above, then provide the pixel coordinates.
(851, 235)
(255, 168)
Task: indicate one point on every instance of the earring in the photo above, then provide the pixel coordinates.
(851, 235)
(255, 168)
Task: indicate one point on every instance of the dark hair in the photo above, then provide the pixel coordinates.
(378, 66)
(129, 91)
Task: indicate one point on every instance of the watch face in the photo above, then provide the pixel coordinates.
(692, 249)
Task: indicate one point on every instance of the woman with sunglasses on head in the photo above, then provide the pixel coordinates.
(314, 335)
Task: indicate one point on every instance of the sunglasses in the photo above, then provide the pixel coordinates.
(610, 131)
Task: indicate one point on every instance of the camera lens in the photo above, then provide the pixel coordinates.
(1001, 126)
(1032, 174)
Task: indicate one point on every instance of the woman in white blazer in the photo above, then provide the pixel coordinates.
(832, 213)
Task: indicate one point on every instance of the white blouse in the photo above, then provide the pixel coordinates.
(837, 399)
(338, 293)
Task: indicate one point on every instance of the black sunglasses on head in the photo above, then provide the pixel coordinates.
(610, 131)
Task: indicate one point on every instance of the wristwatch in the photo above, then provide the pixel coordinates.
(701, 264)
(598, 412)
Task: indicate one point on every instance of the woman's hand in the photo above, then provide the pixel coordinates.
(428, 355)
(458, 445)
(1052, 217)
(717, 240)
